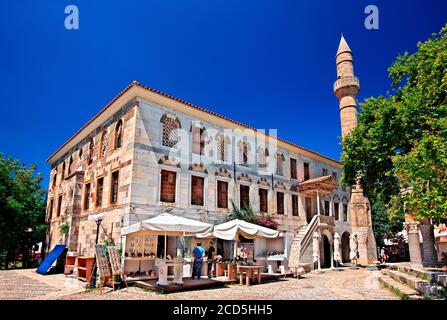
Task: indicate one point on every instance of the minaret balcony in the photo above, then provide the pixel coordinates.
(346, 82)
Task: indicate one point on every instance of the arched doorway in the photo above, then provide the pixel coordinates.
(326, 252)
(345, 249)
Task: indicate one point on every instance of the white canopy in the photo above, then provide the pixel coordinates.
(169, 224)
(229, 230)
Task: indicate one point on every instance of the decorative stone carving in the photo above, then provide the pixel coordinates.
(316, 251)
(337, 250)
(354, 254)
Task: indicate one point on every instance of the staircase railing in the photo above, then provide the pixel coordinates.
(311, 228)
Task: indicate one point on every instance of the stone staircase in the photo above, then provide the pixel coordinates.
(411, 283)
(301, 245)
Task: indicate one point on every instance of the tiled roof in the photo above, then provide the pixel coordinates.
(136, 83)
(329, 179)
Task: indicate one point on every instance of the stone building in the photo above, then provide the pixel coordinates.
(147, 152)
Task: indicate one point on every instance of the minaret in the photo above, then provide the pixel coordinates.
(346, 88)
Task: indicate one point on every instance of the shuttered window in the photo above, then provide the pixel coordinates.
(306, 171)
(114, 187)
(263, 207)
(244, 196)
(280, 203)
(197, 190)
(293, 174)
(222, 194)
(295, 211)
(167, 189)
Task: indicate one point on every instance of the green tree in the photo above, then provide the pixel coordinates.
(404, 134)
(22, 209)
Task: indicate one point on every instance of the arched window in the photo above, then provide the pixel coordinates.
(63, 171)
(198, 140)
(263, 153)
(119, 134)
(90, 152)
(54, 178)
(279, 164)
(80, 153)
(243, 154)
(70, 165)
(170, 128)
(221, 147)
(103, 151)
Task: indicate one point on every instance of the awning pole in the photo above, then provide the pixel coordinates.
(165, 244)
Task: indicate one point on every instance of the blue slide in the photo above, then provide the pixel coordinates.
(51, 257)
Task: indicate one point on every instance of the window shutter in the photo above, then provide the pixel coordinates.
(197, 190)
(244, 196)
(295, 205)
(280, 203)
(222, 194)
(167, 190)
(263, 200)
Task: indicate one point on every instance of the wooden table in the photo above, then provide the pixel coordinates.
(250, 272)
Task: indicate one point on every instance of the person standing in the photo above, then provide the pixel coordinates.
(198, 254)
(210, 258)
(383, 255)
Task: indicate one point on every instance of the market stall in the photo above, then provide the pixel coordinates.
(140, 259)
(243, 252)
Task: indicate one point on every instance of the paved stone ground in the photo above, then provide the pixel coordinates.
(330, 285)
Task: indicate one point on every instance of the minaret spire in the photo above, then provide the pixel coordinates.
(346, 88)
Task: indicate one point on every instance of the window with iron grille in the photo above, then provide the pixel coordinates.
(243, 154)
(263, 204)
(280, 203)
(345, 212)
(114, 187)
(198, 140)
(170, 128)
(279, 164)
(295, 211)
(197, 184)
(90, 152)
(221, 148)
(167, 187)
(262, 158)
(104, 144)
(119, 134)
(222, 194)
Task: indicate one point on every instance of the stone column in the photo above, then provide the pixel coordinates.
(331, 207)
(430, 256)
(413, 243)
(318, 202)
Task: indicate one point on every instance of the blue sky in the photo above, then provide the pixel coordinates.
(269, 64)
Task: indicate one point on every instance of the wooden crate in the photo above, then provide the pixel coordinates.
(85, 265)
